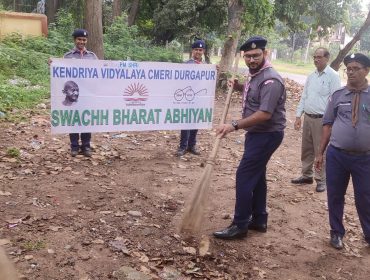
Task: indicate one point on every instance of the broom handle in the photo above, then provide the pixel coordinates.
(211, 158)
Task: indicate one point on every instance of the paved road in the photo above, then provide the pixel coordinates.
(296, 77)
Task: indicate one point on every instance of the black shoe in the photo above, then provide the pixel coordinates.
(336, 241)
(302, 180)
(193, 150)
(321, 187)
(87, 152)
(257, 227)
(180, 152)
(74, 153)
(231, 232)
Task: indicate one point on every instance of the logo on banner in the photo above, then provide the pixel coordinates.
(135, 94)
(188, 94)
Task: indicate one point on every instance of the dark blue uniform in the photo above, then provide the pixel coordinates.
(188, 138)
(348, 154)
(85, 137)
(265, 92)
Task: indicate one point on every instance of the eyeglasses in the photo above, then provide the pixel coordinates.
(353, 70)
(318, 57)
(254, 56)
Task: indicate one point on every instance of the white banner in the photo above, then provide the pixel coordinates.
(103, 96)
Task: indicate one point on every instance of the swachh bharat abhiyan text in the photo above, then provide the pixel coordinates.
(105, 96)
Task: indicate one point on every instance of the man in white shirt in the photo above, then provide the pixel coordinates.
(319, 86)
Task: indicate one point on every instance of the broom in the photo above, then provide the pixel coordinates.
(194, 212)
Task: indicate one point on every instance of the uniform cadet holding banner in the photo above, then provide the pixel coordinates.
(80, 52)
(264, 119)
(188, 139)
(346, 127)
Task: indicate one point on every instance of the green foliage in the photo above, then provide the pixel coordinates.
(259, 15)
(188, 18)
(322, 13)
(124, 43)
(13, 152)
(23, 74)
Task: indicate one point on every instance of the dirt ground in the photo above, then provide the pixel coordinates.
(80, 218)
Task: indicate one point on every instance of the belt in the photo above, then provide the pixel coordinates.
(314, 116)
(353, 153)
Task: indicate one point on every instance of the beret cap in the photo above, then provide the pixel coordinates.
(198, 44)
(80, 33)
(357, 57)
(254, 42)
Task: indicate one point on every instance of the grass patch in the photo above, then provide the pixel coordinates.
(34, 245)
(13, 152)
(293, 68)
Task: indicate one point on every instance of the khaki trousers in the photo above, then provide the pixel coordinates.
(312, 130)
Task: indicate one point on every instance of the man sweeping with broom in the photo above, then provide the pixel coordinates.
(264, 120)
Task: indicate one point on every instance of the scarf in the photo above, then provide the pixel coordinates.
(266, 65)
(356, 100)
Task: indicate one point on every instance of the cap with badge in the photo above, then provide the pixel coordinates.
(198, 44)
(80, 33)
(255, 42)
(357, 57)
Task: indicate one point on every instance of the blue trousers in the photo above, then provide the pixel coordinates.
(251, 187)
(188, 138)
(85, 140)
(339, 167)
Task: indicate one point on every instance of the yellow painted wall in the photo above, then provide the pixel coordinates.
(23, 23)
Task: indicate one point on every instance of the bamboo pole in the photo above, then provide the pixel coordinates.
(194, 212)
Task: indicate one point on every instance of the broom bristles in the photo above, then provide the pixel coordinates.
(194, 212)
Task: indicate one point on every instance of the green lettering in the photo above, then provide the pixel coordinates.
(126, 117)
(142, 116)
(195, 114)
(157, 111)
(201, 116)
(168, 116)
(84, 121)
(184, 115)
(66, 117)
(94, 117)
(55, 118)
(209, 115)
(134, 116)
(176, 115)
(116, 116)
(76, 119)
(104, 117)
(151, 116)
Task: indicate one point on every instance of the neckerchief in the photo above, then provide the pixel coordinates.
(356, 100)
(249, 77)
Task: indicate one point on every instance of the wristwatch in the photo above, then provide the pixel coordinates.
(235, 124)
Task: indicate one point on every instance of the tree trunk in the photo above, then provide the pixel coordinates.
(134, 10)
(234, 26)
(17, 6)
(94, 25)
(293, 48)
(51, 9)
(117, 8)
(342, 53)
